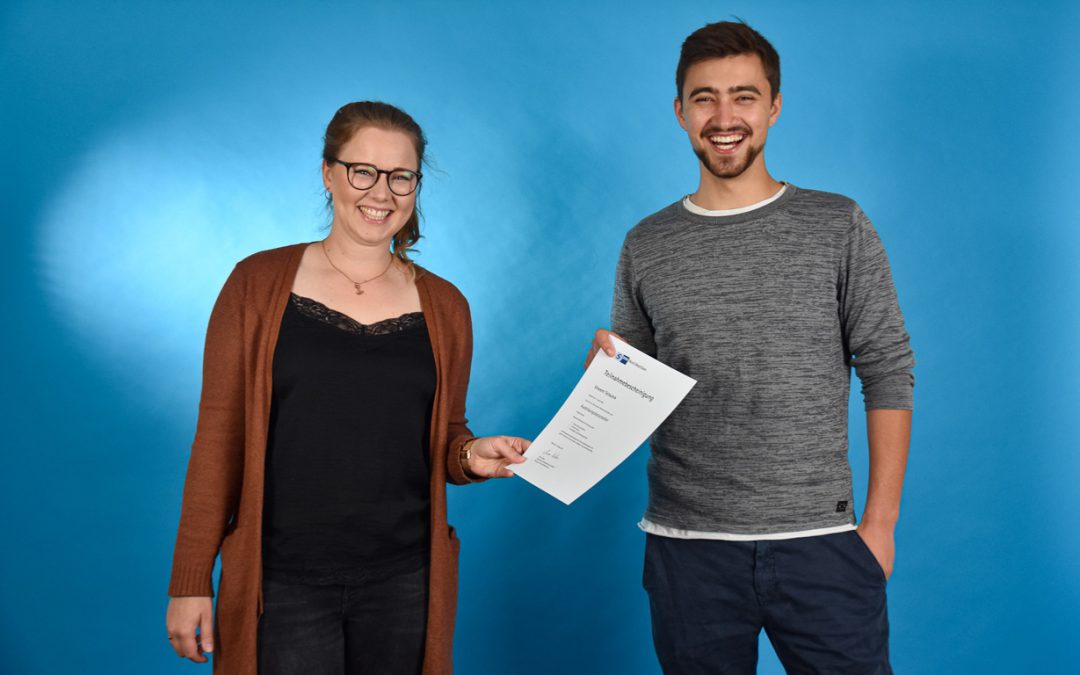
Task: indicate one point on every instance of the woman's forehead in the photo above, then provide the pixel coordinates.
(382, 147)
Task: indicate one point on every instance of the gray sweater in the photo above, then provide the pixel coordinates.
(768, 310)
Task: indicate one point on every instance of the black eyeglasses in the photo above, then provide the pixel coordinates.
(401, 182)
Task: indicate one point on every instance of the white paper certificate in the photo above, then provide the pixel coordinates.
(614, 407)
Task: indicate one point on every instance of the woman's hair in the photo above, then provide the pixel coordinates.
(351, 118)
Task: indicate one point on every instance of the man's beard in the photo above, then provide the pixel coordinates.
(726, 167)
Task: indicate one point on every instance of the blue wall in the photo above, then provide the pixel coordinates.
(147, 147)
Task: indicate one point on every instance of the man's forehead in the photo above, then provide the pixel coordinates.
(725, 72)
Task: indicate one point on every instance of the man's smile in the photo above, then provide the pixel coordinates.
(727, 142)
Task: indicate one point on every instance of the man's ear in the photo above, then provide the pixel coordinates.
(679, 113)
(774, 109)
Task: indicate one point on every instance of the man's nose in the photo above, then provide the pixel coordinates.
(725, 116)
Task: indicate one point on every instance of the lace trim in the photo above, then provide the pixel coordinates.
(319, 311)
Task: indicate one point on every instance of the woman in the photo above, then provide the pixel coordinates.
(332, 415)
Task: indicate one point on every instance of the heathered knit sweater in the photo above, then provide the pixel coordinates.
(769, 310)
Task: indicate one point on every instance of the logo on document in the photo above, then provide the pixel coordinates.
(622, 358)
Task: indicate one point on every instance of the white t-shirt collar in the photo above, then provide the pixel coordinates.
(694, 208)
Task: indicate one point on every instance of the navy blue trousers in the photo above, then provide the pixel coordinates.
(820, 600)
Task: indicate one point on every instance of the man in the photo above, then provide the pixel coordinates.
(767, 294)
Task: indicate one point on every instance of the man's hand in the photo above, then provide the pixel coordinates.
(879, 539)
(184, 616)
(602, 340)
(489, 456)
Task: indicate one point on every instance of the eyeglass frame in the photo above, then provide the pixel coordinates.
(378, 172)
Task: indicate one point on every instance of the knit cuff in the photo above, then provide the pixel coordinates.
(894, 392)
(194, 580)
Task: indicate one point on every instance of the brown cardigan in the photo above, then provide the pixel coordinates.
(223, 494)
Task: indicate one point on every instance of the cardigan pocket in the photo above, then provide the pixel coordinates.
(452, 577)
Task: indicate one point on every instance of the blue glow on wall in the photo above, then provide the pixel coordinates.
(150, 146)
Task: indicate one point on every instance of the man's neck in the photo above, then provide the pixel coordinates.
(717, 194)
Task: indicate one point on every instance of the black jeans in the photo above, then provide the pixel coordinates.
(821, 601)
(376, 628)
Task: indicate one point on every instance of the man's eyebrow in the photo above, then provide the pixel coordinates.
(701, 90)
(731, 90)
(744, 87)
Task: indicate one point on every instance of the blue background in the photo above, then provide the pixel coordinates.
(148, 147)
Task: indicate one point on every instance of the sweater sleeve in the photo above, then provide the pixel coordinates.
(628, 316)
(212, 486)
(875, 339)
(458, 430)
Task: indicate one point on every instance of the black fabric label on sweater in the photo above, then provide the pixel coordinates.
(841, 506)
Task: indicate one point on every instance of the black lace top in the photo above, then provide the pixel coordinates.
(317, 310)
(347, 467)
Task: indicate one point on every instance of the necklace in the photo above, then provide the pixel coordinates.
(356, 284)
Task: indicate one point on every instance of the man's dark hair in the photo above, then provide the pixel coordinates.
(727, 38)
